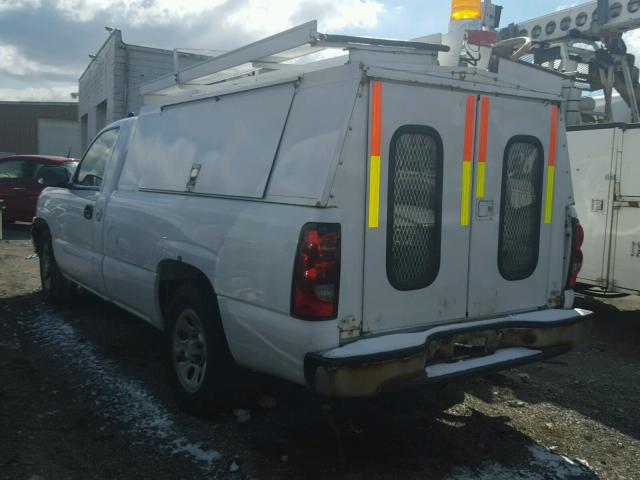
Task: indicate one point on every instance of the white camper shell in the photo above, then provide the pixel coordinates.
(356, 224)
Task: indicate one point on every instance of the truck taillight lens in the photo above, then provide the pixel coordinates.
(316, 274)
(577, 256)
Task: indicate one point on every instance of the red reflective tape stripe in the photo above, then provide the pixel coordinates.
(469, 130)
(376, 119)
(553, 141)
(484, 129)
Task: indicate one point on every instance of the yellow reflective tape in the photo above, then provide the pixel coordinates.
(551, 177)
(465, 210)
(482, 169)
(374, 192)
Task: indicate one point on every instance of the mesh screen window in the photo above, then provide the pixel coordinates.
(415, 193)
(520, 210)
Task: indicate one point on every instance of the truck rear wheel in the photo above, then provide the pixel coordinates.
(201, 367)
(56, 288)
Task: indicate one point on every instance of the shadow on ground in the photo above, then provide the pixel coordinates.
(412, 435)
(600, 379)
(16, 231)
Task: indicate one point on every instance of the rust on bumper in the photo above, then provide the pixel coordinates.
(373, 374)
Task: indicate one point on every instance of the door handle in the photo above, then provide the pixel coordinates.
(88, 212)
(18, 189)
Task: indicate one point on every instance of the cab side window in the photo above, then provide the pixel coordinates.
(92, 167)
(15, 170)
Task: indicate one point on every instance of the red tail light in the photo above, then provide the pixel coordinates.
(577, 257)
(316, 274)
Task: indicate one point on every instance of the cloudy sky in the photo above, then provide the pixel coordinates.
(44, 44)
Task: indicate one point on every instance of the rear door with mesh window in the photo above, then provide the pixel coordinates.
(510, 241)
(416, 253)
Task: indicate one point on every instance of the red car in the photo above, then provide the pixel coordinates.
(19, 187)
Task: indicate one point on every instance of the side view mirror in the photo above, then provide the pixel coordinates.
(54, 176)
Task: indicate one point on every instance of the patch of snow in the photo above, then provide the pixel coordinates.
(399, 341)
(116, 396)
(500, 356)
(242, 415)
(543, 464)
(561, 466)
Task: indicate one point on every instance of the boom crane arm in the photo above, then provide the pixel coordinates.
(559, 40)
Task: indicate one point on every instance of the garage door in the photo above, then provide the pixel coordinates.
(58, 137)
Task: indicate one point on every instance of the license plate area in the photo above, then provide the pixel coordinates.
(463, 346)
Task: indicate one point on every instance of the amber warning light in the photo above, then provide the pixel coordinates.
(466, 9)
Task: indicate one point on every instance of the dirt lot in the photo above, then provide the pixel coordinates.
(83, 395)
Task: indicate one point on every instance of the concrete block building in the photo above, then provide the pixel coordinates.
(110, 85)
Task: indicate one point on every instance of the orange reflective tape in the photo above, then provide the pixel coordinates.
(375, 164)
(376, 119)
(553, 141)
(485, 106)
(551, 169)
(467, 161)
(469, 129)
(484, 129)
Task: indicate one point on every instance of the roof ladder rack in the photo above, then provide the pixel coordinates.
(278, 54)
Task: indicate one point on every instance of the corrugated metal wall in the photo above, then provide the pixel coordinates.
(19, 123)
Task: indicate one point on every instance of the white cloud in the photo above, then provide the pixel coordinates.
(36, 94)
(559, 8)
(253, 16)
(354, 13)
(44, 43)
(135, 12)
(264, 15)
(7, 5)
(632, 39)
(13, 64)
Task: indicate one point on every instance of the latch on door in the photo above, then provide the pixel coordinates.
(485, 209)
(193, 176)
(88, 212)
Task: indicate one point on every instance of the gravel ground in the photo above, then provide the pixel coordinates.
(83, 395)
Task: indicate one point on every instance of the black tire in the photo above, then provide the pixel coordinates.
(57, 289)
(202, 392)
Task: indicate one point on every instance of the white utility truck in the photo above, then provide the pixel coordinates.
(358, 224)
(585, 44)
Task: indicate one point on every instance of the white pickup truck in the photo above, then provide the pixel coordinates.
(356, 225)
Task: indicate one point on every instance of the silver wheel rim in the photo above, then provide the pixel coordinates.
(45, 268)
(189, 351)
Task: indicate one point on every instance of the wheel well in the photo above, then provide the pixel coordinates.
(172, 274)
(38, 232)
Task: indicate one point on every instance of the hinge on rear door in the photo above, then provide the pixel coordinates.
(349, 328)
(556, 300)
